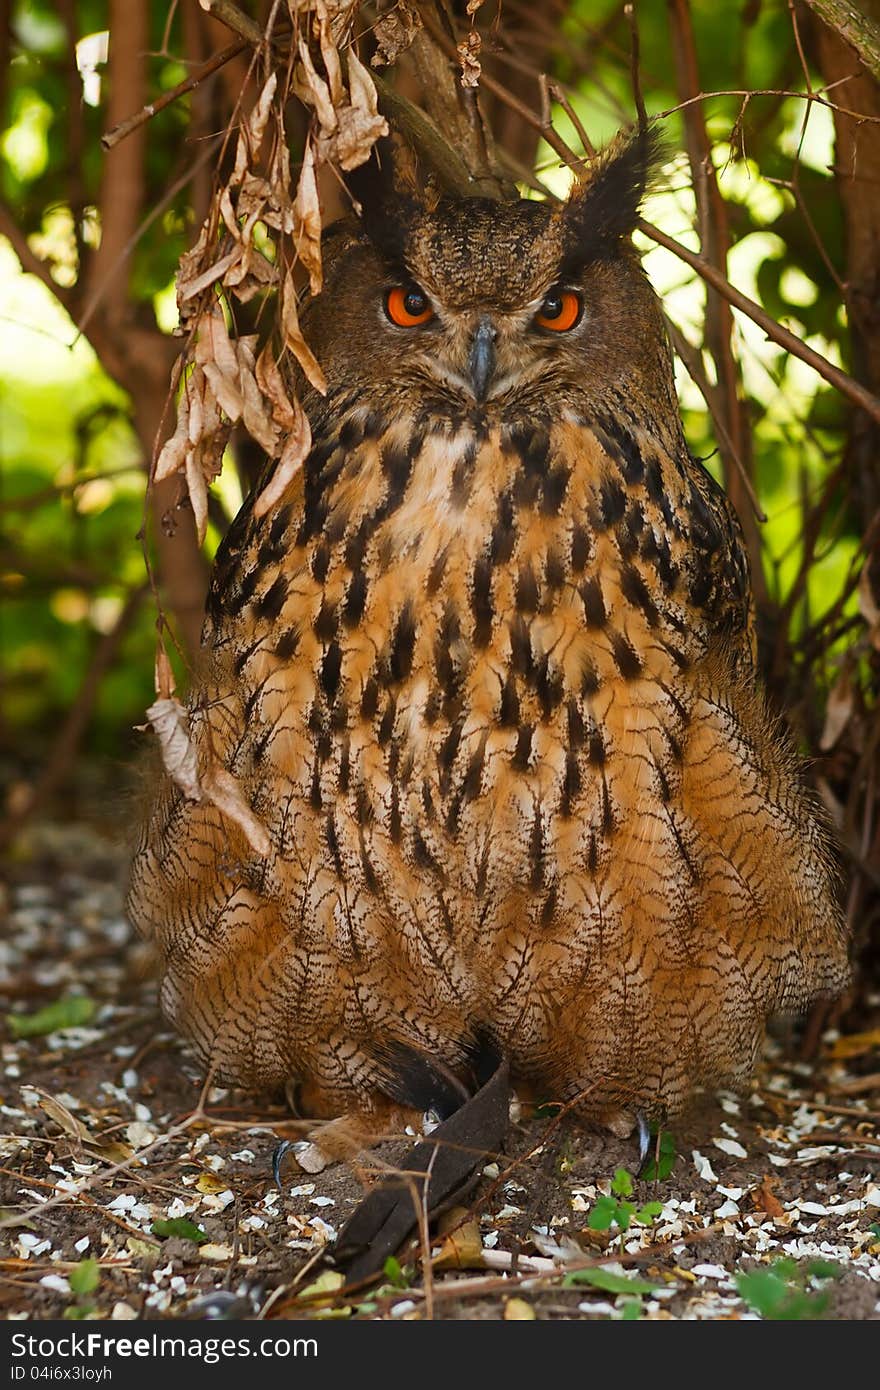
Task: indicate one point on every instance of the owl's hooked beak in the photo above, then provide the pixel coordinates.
(481, 360)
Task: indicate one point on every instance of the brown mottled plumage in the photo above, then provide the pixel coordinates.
(485, 674)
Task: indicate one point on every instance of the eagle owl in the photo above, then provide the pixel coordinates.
(485, 674)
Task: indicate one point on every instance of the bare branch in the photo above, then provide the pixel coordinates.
(30, 261)
(146, 113)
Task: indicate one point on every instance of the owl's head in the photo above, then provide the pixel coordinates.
(465, 304)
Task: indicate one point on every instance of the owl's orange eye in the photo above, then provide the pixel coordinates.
(408, 308)
(560, 311)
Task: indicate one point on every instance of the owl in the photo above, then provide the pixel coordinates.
(485, 674)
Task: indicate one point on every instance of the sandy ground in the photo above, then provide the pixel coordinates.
(771, 1208)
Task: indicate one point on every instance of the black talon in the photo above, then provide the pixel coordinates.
(278, 1158)
(431, 1173)
(644, 1140)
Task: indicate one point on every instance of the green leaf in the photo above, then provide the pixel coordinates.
(777, 1293)
(624, 1215)
(874, 1228)
(78, 1312)
(622, 1183)
(630, 1309)
(178, 1226)
(85, 1277)
(646, 1214)
(603, 1214)
(660, 1165)
(394, 1274)
(608, 1280)
(70, 1012)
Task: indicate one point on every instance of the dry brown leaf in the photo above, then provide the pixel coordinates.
(164, 674)
(855, 1044)
(293, 455)
(222, 789)
(64, 1118)
(462, 1247)
(838, 710)
(272, 385)
(173, 453)
(307, 220)
(469, 53)
(316, 93)
(294, 339)
(216, 785)
(360, 124)
(517, 1310)
(253, 129)
(765, 1199)
(171, 725)
(394, 34)
(198, 495)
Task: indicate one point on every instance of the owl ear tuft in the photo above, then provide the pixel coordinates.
(602, 210)
(389, 194)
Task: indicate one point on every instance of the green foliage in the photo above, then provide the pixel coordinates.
(662, 1160)
(397, 1277)
(615, 1210)
(84, 1279)
(788, 1291)
(73, 1011)
(178, 1226)
(608, 1280)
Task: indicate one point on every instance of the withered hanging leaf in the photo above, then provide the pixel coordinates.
(394, 34)
(293, 455)
(315, 92)
(171, 725)
(307, 220)
(838, 710)
(360, 124)
(330, 55)
(189, 289)
(294, 339)
(272, 385)
(222, 789)
(173, 452)
(254, 128)
(469, 53)
(198, 495)
(164, 674)
(216, 785)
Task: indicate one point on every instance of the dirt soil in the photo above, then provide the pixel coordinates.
(106, 1132)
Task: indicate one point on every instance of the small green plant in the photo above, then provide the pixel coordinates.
(180, 1227)
(396, 1275)
(617, 1210)
(658, 1167)
(788, 1291)
(83, 1279)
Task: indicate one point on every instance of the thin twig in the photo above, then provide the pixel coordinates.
(635, 75)
(146, 113)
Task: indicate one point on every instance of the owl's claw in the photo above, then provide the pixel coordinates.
(644, 1139)
(278, 1154)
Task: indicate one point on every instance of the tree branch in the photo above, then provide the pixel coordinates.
(122, 177)
(30, 261)
(848, 19)
(842, 381)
